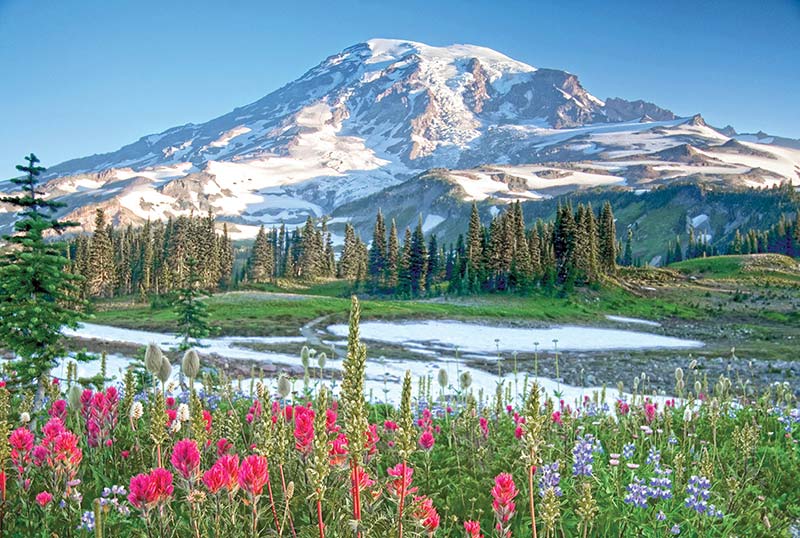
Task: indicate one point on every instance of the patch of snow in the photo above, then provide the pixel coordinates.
(638, 321)
(472, 337)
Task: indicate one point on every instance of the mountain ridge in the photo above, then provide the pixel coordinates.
(379, 113)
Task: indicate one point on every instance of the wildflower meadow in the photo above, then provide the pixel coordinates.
(158, 458)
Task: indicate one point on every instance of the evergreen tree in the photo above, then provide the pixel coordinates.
(312, 251)
(607, 250)
(474, 239)
(404, 276)
(261, 259)
(37, 296)
(627, 259)
(434, 263)
(190, 310)
(377, 251)
(418, 260)
(101, 259)
(392, 257)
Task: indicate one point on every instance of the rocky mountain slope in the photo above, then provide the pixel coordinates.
(367, 123)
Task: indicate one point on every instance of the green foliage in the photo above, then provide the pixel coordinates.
(38, 297)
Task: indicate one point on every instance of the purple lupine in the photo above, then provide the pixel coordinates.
(676, 529)
(661, 484)
(583, 455)
(698, 490)
(628, 450)
(637, 493)
(550, 478)
(661, 516)
(653, 456)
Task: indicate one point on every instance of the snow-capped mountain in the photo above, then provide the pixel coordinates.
(381, 112)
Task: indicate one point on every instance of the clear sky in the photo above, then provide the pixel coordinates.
(88, 76)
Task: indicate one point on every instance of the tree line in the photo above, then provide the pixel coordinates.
(578, 247)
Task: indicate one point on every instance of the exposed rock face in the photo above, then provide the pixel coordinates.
(617, 109)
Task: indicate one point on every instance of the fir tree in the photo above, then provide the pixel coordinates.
(627, 259)
(607, 232)
(377, 251)
(261, 259)
(101, 259)
(418, 260)
(392, 257)
(37, 295)
(190, 310)
(474, 239)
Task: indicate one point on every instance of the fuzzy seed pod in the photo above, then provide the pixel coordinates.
(679, 374)
(322, 359)
(442, 378)
(465, 380)
(153, 358)
(697, 387)
(284, 386)
(165, 370)
(74, 396)
(191, 364)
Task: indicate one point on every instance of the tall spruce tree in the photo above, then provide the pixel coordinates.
(102, 270)
(418, 260)
(190, 310)
(392, 257)
(607, 248)
(474, 240)
(38, 297)
(261, 259)
(377, 251)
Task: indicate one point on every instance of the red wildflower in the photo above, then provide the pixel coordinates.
(396, 486)
(141, 491)
(21, 441)
(473, 529)
(223, 446)
(390, 426)
(372, 439)
(253, 474)
(208, 419)
(229, 465)
(484, 424)
(186, 458)
(44, 498)
(338, 451)
(58, 409)
(303, 429)
(426, 513)
(162, 483)
(649, 411)
(330, 421)
(426, 440)
(214, 478)
(557, 418)
(503, 493)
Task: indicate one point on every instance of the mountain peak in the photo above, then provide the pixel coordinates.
(393, 50)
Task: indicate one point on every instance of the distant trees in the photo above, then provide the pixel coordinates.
(579, 247)
(782, 237)
(38, 295)
(151, 259)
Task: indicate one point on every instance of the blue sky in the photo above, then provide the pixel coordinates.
(88, 76)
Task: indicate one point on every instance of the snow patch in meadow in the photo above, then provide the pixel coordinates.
(384, 375)
(472, 337)
(623, 319)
